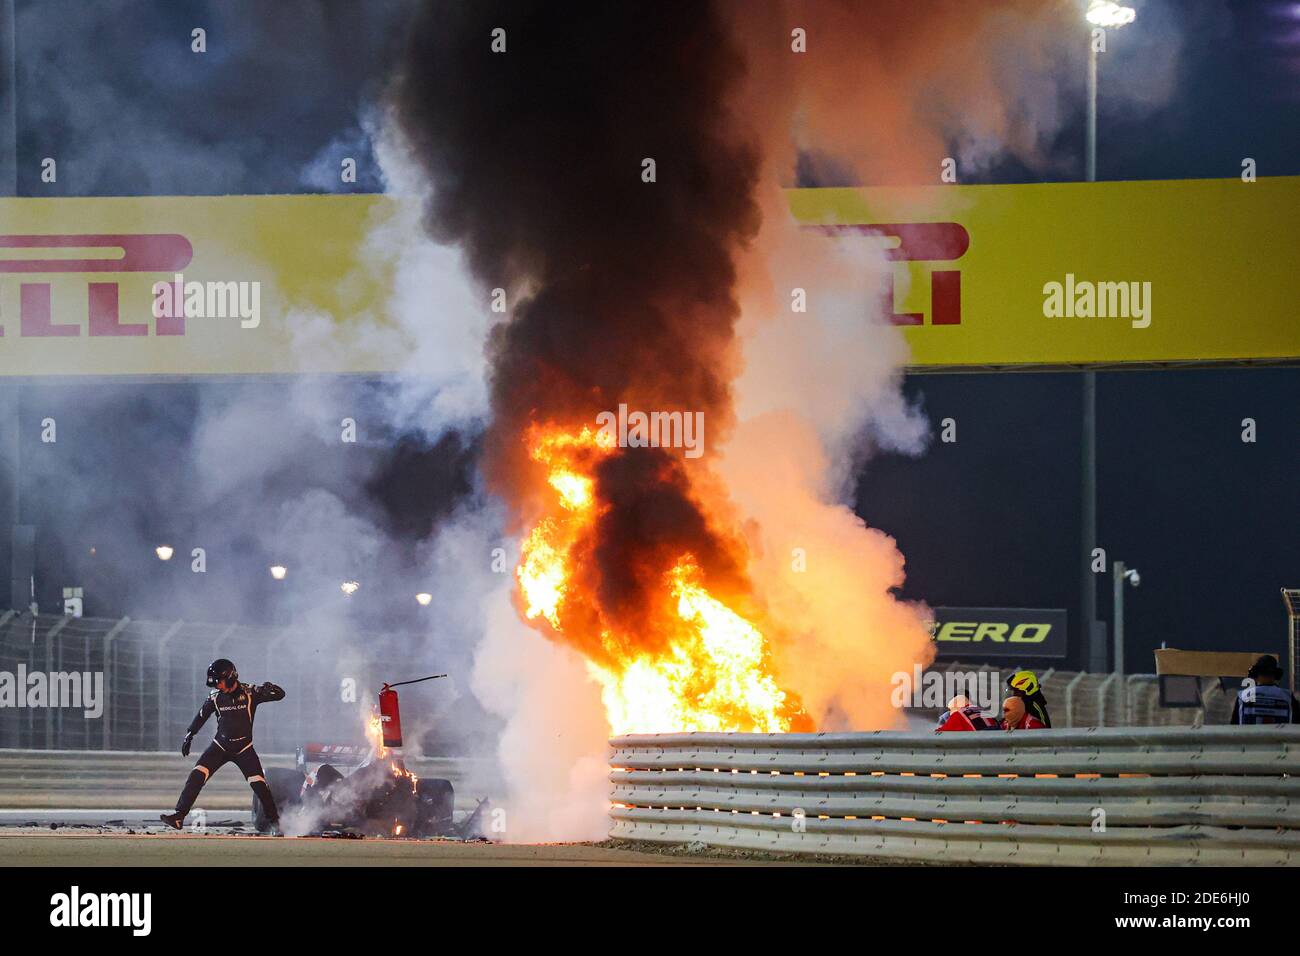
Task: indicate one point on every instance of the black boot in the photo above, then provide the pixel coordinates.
(193, 784)
(270, 813)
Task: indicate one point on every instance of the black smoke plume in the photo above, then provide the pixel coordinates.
(620, 290)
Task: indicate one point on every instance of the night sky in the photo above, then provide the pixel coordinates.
(1210, 522)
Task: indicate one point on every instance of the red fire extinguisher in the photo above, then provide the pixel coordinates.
(390, 718)
(390, 713)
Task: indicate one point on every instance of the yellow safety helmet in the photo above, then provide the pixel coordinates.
(1024, 681)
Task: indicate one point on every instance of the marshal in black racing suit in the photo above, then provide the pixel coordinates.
(235, 705)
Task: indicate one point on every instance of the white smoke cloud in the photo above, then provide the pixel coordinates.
(553, 751)
(820, 389)
(838, 365)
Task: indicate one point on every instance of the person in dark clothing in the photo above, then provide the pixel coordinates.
(1024, 684)
(234, 704)
(1261, 701)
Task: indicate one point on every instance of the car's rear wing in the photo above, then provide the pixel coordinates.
(344, 754)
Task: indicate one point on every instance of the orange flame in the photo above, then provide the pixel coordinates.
(375, 734)
(714, 671)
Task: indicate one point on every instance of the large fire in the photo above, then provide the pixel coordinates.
(712, 671)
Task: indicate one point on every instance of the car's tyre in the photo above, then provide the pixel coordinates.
(286, 786)
(435, 803)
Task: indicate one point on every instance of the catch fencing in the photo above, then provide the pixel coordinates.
(1108, 796)
(153, 675)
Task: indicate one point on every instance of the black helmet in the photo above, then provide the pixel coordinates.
(221, 670)
(1265, 666)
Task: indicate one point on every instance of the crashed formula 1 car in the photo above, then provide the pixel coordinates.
(373, 795)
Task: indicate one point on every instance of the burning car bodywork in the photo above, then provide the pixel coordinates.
(376, 796)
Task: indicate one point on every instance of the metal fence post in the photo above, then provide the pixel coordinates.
(221, 639)
(54, 704)
(1069, 698)
(115, 630)
(270, 651)
(139, 699)
(1101, 698)
(164, 681)
(50, 635)
(270, 655)
(29, 724)
(85, 657)
(10, 729)
(1130, 703)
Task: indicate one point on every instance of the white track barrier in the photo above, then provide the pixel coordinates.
(1110, 796)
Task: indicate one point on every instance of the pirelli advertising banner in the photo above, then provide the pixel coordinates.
(998, 633)
(1084, 273)
(1004, 276)
(190, 286)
